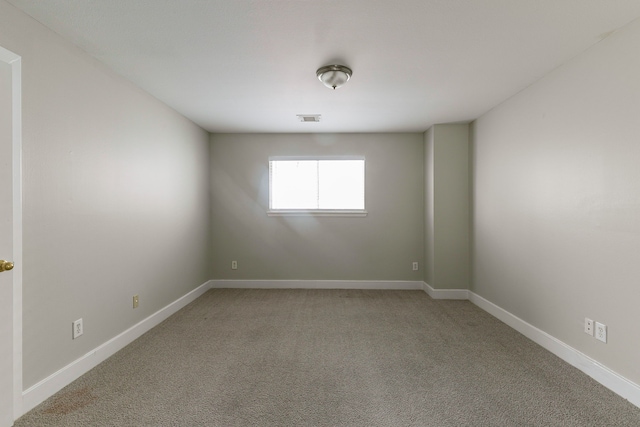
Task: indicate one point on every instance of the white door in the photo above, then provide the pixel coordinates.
(10, 278)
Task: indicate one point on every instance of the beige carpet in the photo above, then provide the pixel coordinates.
(332, 358)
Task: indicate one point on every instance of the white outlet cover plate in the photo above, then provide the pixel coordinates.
(601, 332)
(78, 329)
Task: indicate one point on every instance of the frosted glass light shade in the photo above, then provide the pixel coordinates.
(334, 76)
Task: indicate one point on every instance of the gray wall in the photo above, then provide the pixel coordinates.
(447, 212)
(115, 199)
(429, 213)
(557, 202)
(381, 246)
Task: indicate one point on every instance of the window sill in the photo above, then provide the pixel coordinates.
(317, 212)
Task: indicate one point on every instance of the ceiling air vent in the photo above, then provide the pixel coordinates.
(309, 117)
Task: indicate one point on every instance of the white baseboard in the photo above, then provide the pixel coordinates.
(46, 388)
(316, 284)
(445, 293)
(605, 376)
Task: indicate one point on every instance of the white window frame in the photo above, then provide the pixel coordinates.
(319, 212)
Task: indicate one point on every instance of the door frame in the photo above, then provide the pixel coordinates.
(15, 63)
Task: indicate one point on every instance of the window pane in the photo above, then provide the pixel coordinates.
(294, 184)
(341, 184)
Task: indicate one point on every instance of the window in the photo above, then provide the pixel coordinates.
(316, 186)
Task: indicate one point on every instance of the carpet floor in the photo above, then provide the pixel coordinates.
(367, 358)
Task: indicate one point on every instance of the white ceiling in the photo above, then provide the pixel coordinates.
(249, 65)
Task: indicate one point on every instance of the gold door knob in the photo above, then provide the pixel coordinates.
(5, 265)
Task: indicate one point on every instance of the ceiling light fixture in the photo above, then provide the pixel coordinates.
(334, 76)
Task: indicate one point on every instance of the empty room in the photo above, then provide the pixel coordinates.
(337, 213)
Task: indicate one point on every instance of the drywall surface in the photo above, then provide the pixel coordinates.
(447, 213)
(557, 202)
(429, 214)
(116, 199)
(451, 206)
(380, 246)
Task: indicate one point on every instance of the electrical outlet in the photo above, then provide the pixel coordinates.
(136, 301)
(588, 326)
(234, 265)
(601, 332)
(415, 266)
(78, 329)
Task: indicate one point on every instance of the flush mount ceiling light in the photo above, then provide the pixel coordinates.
(334, 76)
